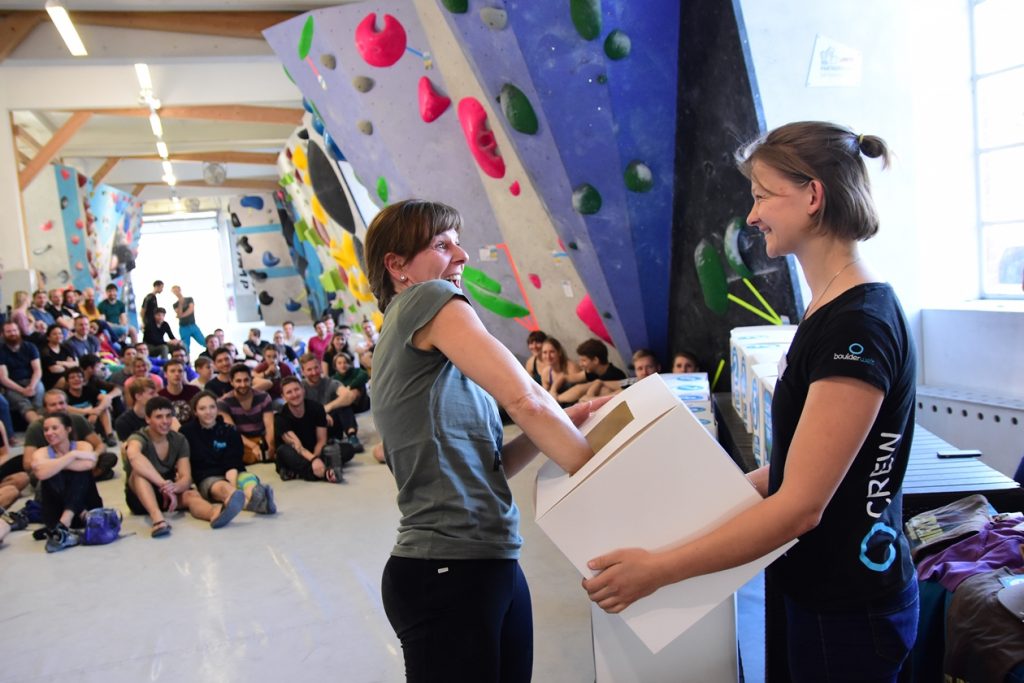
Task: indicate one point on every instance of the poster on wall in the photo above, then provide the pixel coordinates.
(834, 64)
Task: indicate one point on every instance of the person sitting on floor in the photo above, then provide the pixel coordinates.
(253, 347)
(267, 375)
(644, 365)
(177, 392)
(215, 449)
(55, 401)
(140, 370)
(339, 343)
(252, 414)
(87, 401)
(81, 342)
(179, 354)
(212, 344)
(534, 364)
(317, 345)
(220, 383)
(685, 362)
(289, 338)
(160, 474)
(341, 419)
(285, 353)
(66, 485)
(153, 335)
(204, 372)
(555, 367)
(21, 373)
(134, 419)
(594, 367)
(302, 448)
(55, 358)
(13, 480)
(353, 380)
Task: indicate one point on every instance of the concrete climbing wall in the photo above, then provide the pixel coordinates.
(397, 120)
(327, 231)
(265, 256)
(80, 236)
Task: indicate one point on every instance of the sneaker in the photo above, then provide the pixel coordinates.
(110, 440)
(16, 520)
(59, 538)
(333, 460)
(271, 505)
(356, 444)
(257, 499)
(104, 469)
(33, 511)
(229, 511)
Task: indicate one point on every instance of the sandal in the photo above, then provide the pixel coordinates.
(161, 528)
(334, 475)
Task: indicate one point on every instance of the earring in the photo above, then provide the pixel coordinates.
(403, 278)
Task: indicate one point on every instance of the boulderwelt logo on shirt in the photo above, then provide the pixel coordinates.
(854, 352)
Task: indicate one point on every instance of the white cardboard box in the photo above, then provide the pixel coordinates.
(740, 337)
(756, 354)
(657, 480)
(766, 389)
(764, 372)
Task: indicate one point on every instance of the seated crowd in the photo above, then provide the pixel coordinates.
(83, 380)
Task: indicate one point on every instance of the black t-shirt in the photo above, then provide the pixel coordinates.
(47, 358)
(180, 402)
(858, 552)
(611, 374)
(127, 423)
(217, 387)
(183, 306)
(213, 451)
(304, 428)
(154, 333)
(89, 397)
(149, 306)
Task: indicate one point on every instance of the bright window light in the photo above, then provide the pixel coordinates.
(156, 125)
(142, 73)
(161, 149)
(59, 17)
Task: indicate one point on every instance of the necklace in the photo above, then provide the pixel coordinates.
(821, 296)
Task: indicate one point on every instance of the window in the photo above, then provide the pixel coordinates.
(999, 143)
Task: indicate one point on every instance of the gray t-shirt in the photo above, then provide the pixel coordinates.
(443, 438)
(177, 448)
(325, 391)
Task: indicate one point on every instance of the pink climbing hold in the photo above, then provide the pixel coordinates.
(65, 174)
(79, 224)
(432, 103)
(535, 280)
(75, 239)
(586, 312)
(47, 226)
(79, 266)
(482, 144)
(380, 48)
(514, 189)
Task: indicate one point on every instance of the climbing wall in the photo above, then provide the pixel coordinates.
(80, 236)
(327, 232)
(401, 116)
(265, 256)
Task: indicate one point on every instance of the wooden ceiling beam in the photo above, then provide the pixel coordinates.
(52, 147)
(235, 113)
(269, 184)
(106, 168)
(26, 137)
(137, 190)
(258, 158)
(14, 28)
(226, 24)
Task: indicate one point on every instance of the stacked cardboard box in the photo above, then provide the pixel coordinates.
(750, 346)
(694, 390)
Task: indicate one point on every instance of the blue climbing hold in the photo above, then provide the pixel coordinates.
(252, 202)
(318, 124)
(306, 105)
(332, 147)
(269, 260)
(293, 305)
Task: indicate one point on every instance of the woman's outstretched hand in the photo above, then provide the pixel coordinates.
(582, 410)
(626, 576)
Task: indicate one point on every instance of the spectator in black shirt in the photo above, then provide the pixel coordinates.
(220, 384)
(594, 367)
(153, 335)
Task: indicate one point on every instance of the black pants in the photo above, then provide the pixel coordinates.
(68, 490)
(291, 462)
(460, 620)
(12, 466)
(344, 420)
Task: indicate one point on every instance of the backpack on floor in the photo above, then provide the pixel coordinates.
(102, 526)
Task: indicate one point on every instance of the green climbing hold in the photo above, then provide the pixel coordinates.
(638, 176)
(602, 79)
(517, 109)
(494, 304)
(711, 275)
(352, 308)
(456, 6)
(586, 17)
(732, 248)
(586, 199)
(573, 246)
(306, 41)
(287, 179)
(617, 45)
(481, 280)
(382, 189)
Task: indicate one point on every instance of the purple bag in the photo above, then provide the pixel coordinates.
(102, 526)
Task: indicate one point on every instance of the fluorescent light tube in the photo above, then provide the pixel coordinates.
(161, 149)
(156, 125)
(168, 169)
(142, 73)
(59, 17)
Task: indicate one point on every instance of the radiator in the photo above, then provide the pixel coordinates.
(967, 419)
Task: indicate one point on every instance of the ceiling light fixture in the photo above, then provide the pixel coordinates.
(168, 169)
(156, 125)
(161, 149)
(145, 81)
(59, 17)
(169, 179)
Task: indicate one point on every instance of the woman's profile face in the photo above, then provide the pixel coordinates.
(442, 259)
(782, 210)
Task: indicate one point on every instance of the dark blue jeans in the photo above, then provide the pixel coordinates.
(866, 645)
(5, 417)
(460, 621)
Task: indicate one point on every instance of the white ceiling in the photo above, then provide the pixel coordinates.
(41, 83)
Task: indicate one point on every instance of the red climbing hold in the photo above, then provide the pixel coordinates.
(47, 226)
(432, 103)
(535, 280)
(514, 189)
(587, 312)
(75, 239)
(482, 144)
(65, 173)
(79, 224)
(380, 48)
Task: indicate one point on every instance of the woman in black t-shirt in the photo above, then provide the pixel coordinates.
(55, 358)
(842, 420)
